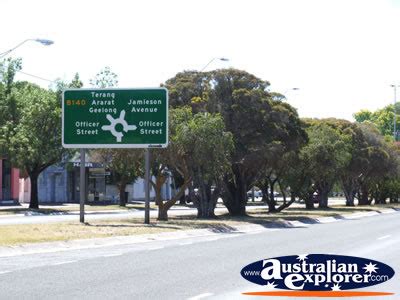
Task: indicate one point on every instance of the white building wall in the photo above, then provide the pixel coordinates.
(138, 190)
(24, 190)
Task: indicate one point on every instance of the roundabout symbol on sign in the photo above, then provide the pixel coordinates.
(115, 122)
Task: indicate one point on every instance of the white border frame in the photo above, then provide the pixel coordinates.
(116, 146)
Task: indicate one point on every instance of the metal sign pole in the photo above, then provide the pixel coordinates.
(82, 187)
(147, 186)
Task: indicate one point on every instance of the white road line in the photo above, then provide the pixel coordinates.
(63, 262)
(211, 239)
(185, 243)
(112, 255)
(155, 248)
(4, 272)
(200, 296)
(384, 237)
(254, 232)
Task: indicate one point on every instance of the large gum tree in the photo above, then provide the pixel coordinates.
(199, 150)
(255, 120)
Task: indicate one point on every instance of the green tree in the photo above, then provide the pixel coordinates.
(60, 85)
(280, 154)
(211, 150)
(357, 164)
(34, 143)
(249, 113)
(363, 115)
(104, 79)
(9, 106)
(326, 155)
(198, 150)
(297, 178)
(382, 118)
(382, 164)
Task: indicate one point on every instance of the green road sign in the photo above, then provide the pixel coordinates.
(115, 118)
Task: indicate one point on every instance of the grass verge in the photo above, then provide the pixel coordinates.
(34, 233)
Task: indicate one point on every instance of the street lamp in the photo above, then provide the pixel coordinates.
(218, 58)
(394, 86)
(41, 41)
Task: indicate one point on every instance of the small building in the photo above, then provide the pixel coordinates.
(9, 182)
(60, 183)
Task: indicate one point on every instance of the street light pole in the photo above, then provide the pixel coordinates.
(219, 58)
(394, 86)
(41, 41)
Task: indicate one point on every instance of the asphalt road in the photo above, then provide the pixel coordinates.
(193, 268)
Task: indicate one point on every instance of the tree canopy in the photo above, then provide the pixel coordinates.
(199, 150)
(257, 123)
(34, 142)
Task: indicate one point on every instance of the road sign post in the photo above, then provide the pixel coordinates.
(82, 187)
(115, 118)
(147, 186)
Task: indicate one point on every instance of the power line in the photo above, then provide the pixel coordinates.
(37, 77)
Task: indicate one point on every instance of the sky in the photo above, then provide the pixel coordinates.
(342, 55)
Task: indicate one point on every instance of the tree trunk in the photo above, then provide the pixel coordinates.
(284, 193)
(34, 203)
(381, 194)
(287, 204)
(363, 200)
(162, 213)
(268, 197)
(271, 201)
(233, 200)
(323, 189)
(235, 193)
(122, 195)
(192, 194)
(309, 198)
(182, 200)
(323, 198)
(264, 189)
(349, 198)
(309, 202)
(349, 189)
(206, 206)
(163, 207)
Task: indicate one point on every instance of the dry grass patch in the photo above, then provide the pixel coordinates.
(34, 233)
